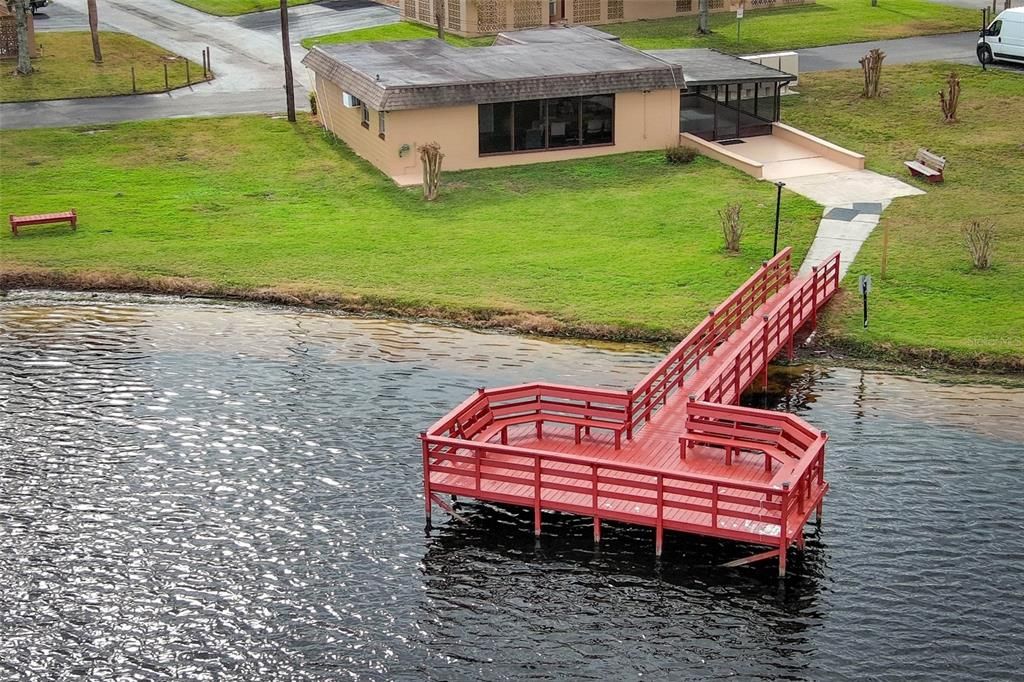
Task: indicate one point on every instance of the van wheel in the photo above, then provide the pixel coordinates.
(985, 54)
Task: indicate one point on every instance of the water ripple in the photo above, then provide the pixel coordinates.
(202, 491)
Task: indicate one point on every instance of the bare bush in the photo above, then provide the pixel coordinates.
(431, 156)
(980, 239)
(950, 97)
(732, 229)
(872, 65)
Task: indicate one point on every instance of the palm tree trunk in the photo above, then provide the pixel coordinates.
(21, 26)
(439, 12)
(703, 19)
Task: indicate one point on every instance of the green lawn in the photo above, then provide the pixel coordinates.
(224, 8)
(933, 300)
(402, 30)
(617, 246)
(826, 22)
(65, 68)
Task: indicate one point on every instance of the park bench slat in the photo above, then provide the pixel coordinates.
(43, 219)
(927, 165)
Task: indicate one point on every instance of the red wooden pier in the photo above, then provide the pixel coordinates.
(674, 452)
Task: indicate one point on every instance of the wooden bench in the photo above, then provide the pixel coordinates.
(580, 424)
(43, 219)
(927, 165)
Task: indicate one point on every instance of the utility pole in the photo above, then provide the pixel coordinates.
(94, 29)
(703, 18)
(289, 85)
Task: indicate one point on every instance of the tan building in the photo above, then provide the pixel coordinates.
(539, 95)
(483, 17)
(9, 34)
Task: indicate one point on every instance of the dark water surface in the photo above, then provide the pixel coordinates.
(202, 491)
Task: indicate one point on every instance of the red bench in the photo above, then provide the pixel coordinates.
(43, 219)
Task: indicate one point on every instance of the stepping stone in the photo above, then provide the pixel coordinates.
(846, 214)
(874, 208)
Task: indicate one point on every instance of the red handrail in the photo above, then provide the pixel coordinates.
(670, 373)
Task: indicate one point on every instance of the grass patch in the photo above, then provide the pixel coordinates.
(65, 68)
(932, 302)
(826, 22)
(401, 30)
(230, 8)
(627, 244)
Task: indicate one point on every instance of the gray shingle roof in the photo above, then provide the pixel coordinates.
(703, 66)
(415, 74)
(553, 34)
(532, 64)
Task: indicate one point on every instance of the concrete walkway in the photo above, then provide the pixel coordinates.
(854, 201)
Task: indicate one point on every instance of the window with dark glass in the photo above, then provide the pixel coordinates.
(531, 132)
(495, 127)
(598, 120)
(564, 122)
(546, 124)
(729, 110)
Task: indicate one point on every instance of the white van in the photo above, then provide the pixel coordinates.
(1004, 38)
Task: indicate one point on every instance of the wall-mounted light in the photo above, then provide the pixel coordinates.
(403, 150)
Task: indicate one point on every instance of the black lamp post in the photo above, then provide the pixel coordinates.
(778, 208)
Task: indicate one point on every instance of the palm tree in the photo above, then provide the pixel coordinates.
(21, 13)
(703, 18)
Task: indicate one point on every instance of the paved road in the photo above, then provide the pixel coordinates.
(950, 47)
(246, 58)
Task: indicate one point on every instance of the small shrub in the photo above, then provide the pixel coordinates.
(680, 154)
(732, 229)
(950, 97)
(312, 102)
(980, 239)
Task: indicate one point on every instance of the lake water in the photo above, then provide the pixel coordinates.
(202, 491)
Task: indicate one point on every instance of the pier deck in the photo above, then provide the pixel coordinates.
(674, 452)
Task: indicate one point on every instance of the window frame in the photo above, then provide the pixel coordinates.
(364, 115)
(382, 125)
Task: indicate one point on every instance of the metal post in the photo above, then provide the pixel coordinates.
(205, 71)
(778, 210)
(188, 73)
(133, 79)
(167, 83)
(209, 61)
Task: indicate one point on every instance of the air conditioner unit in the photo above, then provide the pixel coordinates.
(350, 101)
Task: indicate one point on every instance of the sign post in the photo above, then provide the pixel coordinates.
(865, 289)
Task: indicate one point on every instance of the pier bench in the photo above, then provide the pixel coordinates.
(733, 438)
(578, 423)
(927, 165)
(43, 219)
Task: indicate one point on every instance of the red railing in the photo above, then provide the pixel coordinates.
(670, 374)
(490, 410)
(740, 366)
(471, 466)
